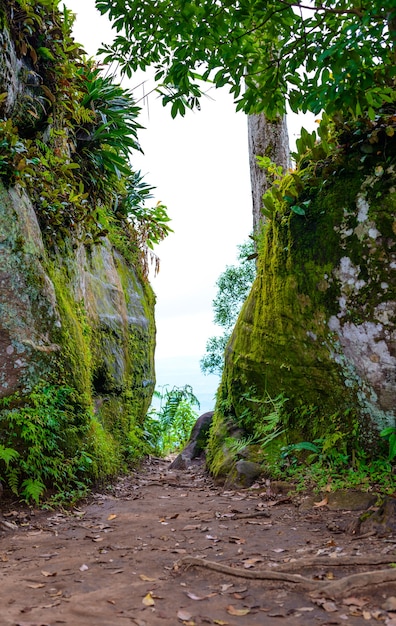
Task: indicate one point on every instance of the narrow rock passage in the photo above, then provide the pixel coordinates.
(145, 552)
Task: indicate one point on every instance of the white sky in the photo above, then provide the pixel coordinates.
(199, 166)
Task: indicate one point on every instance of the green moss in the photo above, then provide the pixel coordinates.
(282, 342)
(103, 450)
(73, 337)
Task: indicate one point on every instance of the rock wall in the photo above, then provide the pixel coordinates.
(77, 330)
(318, 329)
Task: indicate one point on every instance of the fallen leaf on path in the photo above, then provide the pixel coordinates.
(278, 550)
(323, 502)
(233, 610)
(83, 568)
(193, 596)
(238, 596)
(36, 586)
(237, 540)
(329, 607)
(47, 574)
(275, 502)
(247, 563)
(220, 622)
(51, 606)
(185, 616)
(9, 525)
(148, 600)
(225, 587)
(360, 602)
(278, 613)
(192, 527)
(366, 615)
(146, 578)
(111, 517)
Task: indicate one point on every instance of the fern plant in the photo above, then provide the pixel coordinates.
(168, 428)
(39, 437)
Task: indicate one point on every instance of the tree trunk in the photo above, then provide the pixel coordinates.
(265, 139)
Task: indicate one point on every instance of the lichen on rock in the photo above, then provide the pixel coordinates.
(319, 323)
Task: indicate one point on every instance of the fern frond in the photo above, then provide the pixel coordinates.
(32, 489)
(12, 476)
(7, 454)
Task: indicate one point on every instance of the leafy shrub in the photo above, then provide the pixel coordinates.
(39, 438)
(168, 428)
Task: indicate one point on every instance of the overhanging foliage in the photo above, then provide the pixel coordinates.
(333, 55)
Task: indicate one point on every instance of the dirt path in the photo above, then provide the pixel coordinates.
(126, 558)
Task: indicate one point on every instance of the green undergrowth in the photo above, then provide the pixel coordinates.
(51, 445)
(333, 461)
(337, 471)
(167, 427)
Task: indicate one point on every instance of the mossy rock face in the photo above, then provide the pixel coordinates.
(77, 331)
(319, 324)
(28, 309)
(84, 321)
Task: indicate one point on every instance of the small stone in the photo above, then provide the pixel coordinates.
(390, 604)
(248, 471)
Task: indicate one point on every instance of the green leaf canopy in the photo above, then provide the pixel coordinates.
(337, 55)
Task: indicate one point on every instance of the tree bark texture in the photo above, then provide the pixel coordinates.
(269, 139)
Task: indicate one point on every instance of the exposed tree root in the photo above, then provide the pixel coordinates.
(305, 583)
(370, 533)
(345, 561)
(250, 515)
(336, 588)
(356, 582)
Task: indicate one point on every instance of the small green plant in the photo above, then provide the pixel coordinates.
(237, 445)
(39, 436)
(167, 429)
(326, 464)
(390, 434)
(262, 415)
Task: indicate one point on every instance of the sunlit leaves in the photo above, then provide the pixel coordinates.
(332, 56)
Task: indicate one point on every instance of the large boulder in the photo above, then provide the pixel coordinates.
(315, 343)
(196, 443)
